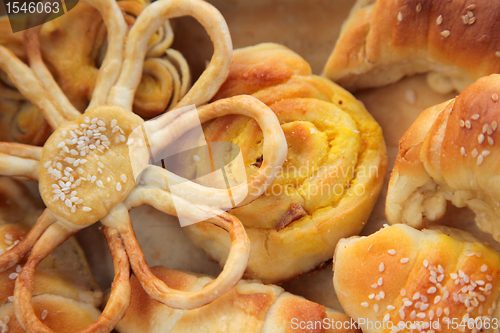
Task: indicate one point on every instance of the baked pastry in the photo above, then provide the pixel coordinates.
(328, 185)
(247, 307)
(434, 280)
(165, 78)
(86, 168)
(449, 154)
(67, 296)
(384, 40)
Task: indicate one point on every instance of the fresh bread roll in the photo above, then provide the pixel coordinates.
(433, 280)
(384, 40)
(66, 296)
(248, 307)
(334, 171)
(450, 153)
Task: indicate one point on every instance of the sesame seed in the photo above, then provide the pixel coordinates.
(416, 296)
(462, 151)
(446, 311)
(400, 16)
(437, 299)
(403, 292)
(113, 122)
(421, 315)
(13, 276)
(380, 281)
(445, 33)
(475, 116)
(485, 153)
(365, 304)
(439, 20)
(123, 177)
(475, 153)
(490, 141)
(484, 268)
(392, 252)
(43, 315)
(387, 317)
(480, 138)
(375, 286)
(468, 124)
(426, 263)
(376, 307)
(494, 97)
(372, 296)
(86, 209)
(99, 183)
(471, 7)
(419, 7)
(382, 295)
(494, 125)
(11, 298)
(431, 290)
(118, 187)
(407, 303)
(381, 267)
(480, 159)
(405, 260)
(462, 123)
(390, 307)
(402, 314)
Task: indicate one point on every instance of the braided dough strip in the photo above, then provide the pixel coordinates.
(157, 289)
(147, 23)
(120, 291)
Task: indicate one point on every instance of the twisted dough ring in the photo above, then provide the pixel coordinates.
(69, 179)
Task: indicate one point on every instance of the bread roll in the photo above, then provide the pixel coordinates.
(450, 153)
(385, 40)
(334, 171)
(66, 296)
(435, 279)
(248, 307)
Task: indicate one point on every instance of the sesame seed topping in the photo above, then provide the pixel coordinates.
(99, 183)
(380, 281)
(494, 97)
(462, 151)
(372, 296)
(494, 125)
(419, 7)
(123, 178)
(43, 315)
(403, 292)
(376, 307)
(475, 153)
(405, 260)
(468, 124)
(86, 209)
(391, 307)
(365, 304)
(475, 116)
(439, 20)
(387, 317)
(445, 33)
(431, 290)
(426, 263)
(480, 138)
(485, 153)
(392, 252)
(381, 267)
(462, 123)
(13, 276)
(400, 16)
(416, 296)
(118, 187)
(484, 268)
(480, 159)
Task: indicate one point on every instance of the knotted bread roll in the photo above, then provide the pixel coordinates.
(450, 153)
(330, 181)
(384, 40)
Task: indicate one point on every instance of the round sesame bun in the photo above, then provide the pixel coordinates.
(66, 296)
(431, 276)
(329, 183)
(385, 40)
(248, 307)
(451, 153)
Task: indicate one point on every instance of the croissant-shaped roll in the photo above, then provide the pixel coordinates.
(384, 40)
(67, 296)
(247, 308)
(451, 153)
(436, 280)
(330, 181)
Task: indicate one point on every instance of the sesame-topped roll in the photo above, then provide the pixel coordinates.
(385, 40)
(66, 296)
(451, 153)
(435, 280)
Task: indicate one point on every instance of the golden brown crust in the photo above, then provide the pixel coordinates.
(247, 307)
(407, 275)
(450, 153)
(453, 38)
(330, 137)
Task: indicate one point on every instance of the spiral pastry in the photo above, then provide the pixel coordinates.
(333, 173)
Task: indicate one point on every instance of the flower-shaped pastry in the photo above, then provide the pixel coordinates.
(85, 170)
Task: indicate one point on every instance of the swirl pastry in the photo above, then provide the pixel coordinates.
(384, 40)
(247, 307)
(330, 181)
(67, 296)
(400, 279)
(450, 154)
